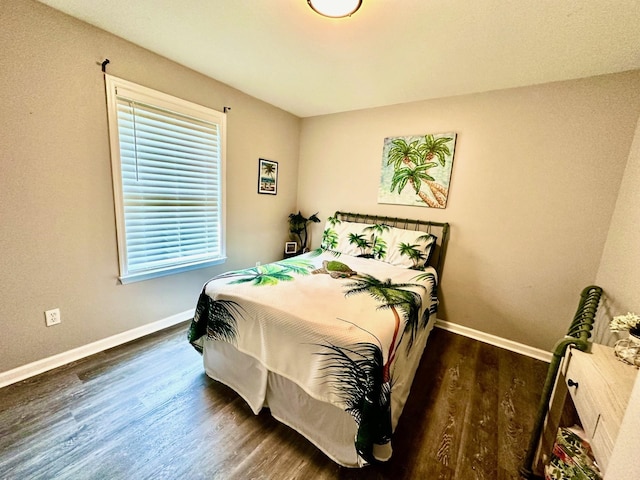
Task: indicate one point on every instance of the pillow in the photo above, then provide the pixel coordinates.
(407, 248)
(349, 238)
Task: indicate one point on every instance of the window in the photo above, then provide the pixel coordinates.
(168, 163)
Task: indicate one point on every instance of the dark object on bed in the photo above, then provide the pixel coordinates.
(577, 336)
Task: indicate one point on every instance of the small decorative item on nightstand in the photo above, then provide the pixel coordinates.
(627, 349)
(290, 249)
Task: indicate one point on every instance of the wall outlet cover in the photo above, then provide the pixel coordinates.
(52, 317)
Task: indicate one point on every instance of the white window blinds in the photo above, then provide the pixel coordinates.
(169, 156)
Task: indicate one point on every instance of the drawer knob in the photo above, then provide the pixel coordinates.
(571, 383)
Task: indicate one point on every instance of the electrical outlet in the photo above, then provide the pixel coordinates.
(257, 264)
(52, 317)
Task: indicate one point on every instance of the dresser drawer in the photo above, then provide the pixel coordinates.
(600, 387)
(602, 442)
(584, 384)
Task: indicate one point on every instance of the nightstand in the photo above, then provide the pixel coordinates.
(599, 385)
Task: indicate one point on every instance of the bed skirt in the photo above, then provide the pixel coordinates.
(325, 425)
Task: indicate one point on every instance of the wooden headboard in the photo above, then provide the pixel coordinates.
(439, 229)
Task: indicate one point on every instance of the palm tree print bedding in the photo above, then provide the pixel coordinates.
(341, 328)
(406, 248)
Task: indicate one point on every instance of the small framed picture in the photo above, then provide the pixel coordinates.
(267, 177)
(290, 247)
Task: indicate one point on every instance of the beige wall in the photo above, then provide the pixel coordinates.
(619, 272)
(619, 276)
(535, 180)
(624, 464)
(57, 230)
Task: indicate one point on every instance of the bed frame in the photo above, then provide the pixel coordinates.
(439, 229)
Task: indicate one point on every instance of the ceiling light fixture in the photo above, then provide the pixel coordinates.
(335, 8)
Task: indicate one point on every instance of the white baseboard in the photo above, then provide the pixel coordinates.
(40, 366)
(497, 341)
(21, 373)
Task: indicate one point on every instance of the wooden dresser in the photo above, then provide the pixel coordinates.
(600, 386)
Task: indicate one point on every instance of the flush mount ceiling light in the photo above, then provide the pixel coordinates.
(335, 8)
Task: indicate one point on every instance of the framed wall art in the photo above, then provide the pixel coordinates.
(416, 170)
(267, 177)
(290, 247)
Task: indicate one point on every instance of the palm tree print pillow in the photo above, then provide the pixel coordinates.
(407, 248)
(348, 238)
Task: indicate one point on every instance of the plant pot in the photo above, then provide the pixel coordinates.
(628, 349)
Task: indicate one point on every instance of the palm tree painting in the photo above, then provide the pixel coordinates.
(416, 170)
(267, 176)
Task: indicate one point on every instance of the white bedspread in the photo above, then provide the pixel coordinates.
(342, 340)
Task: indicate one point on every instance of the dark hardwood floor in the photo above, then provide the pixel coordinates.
(146, 410)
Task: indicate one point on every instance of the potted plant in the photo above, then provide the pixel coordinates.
(630, 322)
(298, 229)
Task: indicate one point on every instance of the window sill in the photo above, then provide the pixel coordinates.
(162, 272)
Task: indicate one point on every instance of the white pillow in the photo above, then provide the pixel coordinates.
(407, 248)
(349, 238)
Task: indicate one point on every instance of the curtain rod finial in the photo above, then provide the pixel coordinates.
(104, 65)
(226, 109)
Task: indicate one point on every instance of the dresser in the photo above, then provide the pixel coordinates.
(600, 386)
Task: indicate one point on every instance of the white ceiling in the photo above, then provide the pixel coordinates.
(389, 52)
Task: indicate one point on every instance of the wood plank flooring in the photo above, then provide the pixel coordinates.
(146, 410)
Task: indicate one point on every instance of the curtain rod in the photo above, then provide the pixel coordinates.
(104, 70)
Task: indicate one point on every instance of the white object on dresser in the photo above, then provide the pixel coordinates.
(600, 386)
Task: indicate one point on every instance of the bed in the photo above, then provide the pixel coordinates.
(329, 340)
